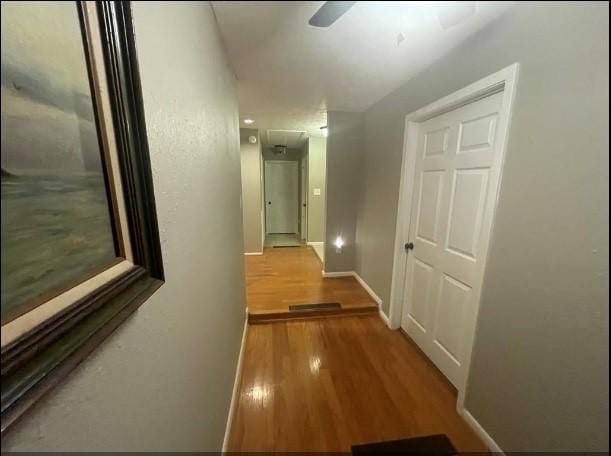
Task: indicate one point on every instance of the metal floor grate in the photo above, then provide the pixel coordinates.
(311, 307)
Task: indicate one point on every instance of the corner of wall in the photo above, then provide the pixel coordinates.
(345, 150)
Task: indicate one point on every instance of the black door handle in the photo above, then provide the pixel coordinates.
(409, 246)
(269, 202)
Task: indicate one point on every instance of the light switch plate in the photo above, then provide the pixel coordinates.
(316, 192)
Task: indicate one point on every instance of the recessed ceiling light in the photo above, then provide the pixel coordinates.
(248, 121)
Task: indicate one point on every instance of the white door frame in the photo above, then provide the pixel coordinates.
(305, 189)
(504, 80)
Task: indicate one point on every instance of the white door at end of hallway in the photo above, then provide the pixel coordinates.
(281, 196)
(457, 170)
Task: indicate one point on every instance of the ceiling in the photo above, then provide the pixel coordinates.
(290, 73)
(293, 139)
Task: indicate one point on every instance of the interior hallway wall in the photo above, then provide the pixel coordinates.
(252, 191)
(539, 378)
(158, 383)
(345, 148)
(317, 177)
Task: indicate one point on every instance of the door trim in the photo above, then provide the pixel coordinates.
(504, 80)
(304, 200)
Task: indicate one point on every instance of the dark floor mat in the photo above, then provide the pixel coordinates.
(311, 307)
(430, 444)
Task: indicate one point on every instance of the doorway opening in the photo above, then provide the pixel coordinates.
(294, 190)
(284, 186)
(281, 203)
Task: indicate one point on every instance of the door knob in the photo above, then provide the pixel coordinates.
(409, 246)
(269, 202)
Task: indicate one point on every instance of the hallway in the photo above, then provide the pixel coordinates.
(287, 276)
(326, 384)
(318, 225)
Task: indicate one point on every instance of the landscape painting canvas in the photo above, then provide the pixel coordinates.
(57, 227)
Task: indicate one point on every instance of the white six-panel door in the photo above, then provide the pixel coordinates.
(281, 196)
(457, 169)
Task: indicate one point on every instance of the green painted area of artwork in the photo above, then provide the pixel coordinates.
(56, 224)
(55, 229)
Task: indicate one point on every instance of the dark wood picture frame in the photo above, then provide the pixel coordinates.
(35, 362)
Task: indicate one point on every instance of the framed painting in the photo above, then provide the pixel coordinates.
(80, 243)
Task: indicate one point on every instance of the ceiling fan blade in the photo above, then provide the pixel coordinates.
(329, 12)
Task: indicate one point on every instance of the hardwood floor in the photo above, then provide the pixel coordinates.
(326, 384)
(285, 276)
(283, 240)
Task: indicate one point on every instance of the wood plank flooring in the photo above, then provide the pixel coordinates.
(285, 276)
(326, 384)
(272, 240)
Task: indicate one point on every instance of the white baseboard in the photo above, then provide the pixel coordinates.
(318, 248)
(236, 387)
(368, 289)
(253, 253)
(384, 318)
(480, 431)
(375, 297)
(364, 284)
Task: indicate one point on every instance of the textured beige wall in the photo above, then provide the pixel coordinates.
(317, 170)
(163, 380)
(539, 377)
(345, 147)
(252, 191)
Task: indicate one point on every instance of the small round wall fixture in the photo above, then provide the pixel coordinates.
(252, 139)
(248, 121)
